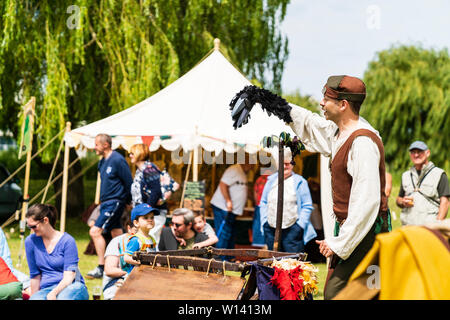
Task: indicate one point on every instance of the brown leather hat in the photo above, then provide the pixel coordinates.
(345, 87)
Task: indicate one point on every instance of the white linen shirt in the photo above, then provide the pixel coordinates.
(236, 180)
(290, 213)
(319, 135)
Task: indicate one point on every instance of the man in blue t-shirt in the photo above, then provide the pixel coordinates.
(115, 194)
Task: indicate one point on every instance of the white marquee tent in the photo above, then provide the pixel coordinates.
(191, 112)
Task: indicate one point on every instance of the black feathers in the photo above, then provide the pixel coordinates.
(243, 102)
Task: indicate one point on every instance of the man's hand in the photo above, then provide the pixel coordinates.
(229, 206)
(407, 202)
(324, 248)
(197, 246)
(180, 240)
(167, 194)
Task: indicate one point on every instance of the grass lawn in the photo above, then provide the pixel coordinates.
(87, 262)
(80, 231)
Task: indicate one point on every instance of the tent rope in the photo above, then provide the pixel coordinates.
(34, 156)
(74, 178)
(12, 218)
(53, 181)
(53, 171)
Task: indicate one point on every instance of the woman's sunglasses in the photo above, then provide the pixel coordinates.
(33, 226)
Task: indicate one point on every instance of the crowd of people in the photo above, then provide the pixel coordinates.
(133, 210)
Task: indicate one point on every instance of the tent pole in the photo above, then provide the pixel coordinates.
(280, 196)
(53, 170)
(196, 161)
(186, 178)
(213, 176)
(64, 185)
(195, 165)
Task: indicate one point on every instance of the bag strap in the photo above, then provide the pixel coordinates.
(419, 183)
(122, 262)
(428, 198)
(143, 240)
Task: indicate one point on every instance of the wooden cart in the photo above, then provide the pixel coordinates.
(196, 274)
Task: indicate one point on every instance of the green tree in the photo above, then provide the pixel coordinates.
(304, 101)
(408, 99)
(84, 60)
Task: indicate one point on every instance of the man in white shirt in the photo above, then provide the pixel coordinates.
(229, 201)
(356, 162)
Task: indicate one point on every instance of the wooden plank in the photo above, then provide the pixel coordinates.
(279, 221)
(146, 283)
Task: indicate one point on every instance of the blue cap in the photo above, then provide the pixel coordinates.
(141, 210)
(418, 145)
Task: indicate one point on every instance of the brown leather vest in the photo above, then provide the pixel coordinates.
(341, 181)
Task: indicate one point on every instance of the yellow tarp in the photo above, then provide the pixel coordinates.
(413, 265)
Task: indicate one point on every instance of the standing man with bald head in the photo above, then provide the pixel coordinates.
(424, 191)
(357, 167)
(115, 194)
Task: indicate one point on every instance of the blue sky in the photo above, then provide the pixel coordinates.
(340, 37)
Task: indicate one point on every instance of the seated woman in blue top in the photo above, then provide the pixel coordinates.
(52, 258)
(297, 229)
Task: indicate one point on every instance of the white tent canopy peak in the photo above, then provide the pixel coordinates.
(192, 111)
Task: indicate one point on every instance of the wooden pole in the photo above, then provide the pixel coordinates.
(213, 177)
(64, 184)
(78, 175)
(28, 165)
(195, 161)
(216, 44)
(195, 165)
(32, 157)
(186, 178)
(53, 170)
(26, 196)
(279, 222)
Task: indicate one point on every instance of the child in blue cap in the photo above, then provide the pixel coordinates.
(142, 216)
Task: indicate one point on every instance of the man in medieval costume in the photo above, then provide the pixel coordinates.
(357, 166)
